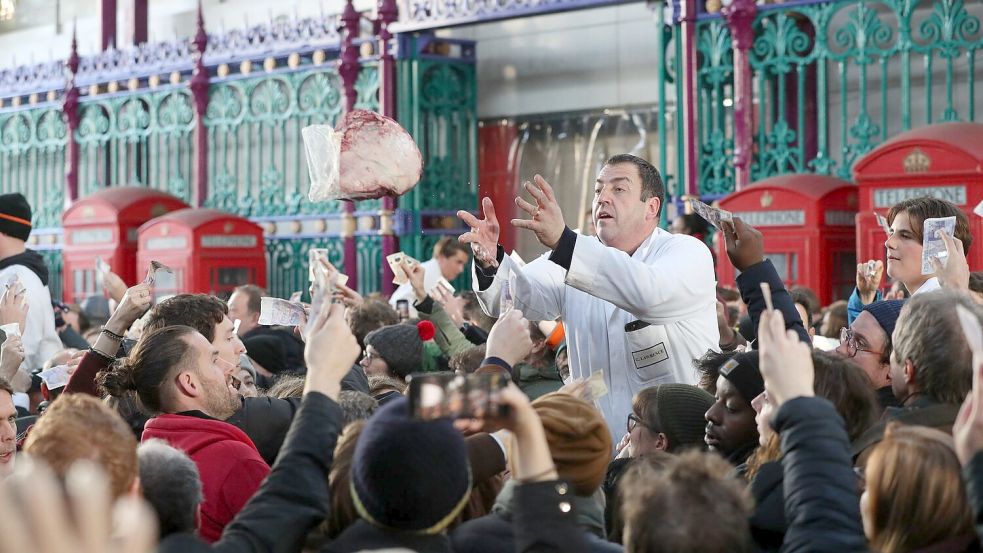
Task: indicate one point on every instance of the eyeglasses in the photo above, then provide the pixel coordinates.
(634, 421)
(849, 339)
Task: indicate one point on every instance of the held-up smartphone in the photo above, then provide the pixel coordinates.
(403, 309)
(449, 395)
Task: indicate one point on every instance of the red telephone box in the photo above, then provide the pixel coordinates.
(210, 252)
(105, 224)
(943, 161)
(807, 222)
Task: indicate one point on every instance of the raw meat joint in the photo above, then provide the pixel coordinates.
(367, 156)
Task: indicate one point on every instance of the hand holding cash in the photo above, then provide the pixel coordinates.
(395, 260)
(954, 272)
(933, 245)
(711, 214)
(14, 307)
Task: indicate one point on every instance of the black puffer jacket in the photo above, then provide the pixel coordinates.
(768, 520)
(822, 505)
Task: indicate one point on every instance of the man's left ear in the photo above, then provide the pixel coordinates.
(653, 205)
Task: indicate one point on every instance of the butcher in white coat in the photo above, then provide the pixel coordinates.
(637, 302)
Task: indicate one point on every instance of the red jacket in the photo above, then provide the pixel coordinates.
(230, 466)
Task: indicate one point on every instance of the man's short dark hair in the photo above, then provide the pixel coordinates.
(369, 316)
(474, 312)
(449, 246)
(976, 282)
(652, 185)
(801, 298)
(255, 294)
(171, 484)
(708, 369)
(6, 387)
(928, 334)
(201, 312)
(667, 509)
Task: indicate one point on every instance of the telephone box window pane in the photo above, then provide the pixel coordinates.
(786, 264)
(844, 274)
(225, 279)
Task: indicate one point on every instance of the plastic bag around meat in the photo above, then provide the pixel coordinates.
(366, 156)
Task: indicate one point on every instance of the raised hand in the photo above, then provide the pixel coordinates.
(867, 285)
(484, 233)
(955, 273)
(36, 513)
(415, 272)
(114, 286)
(745, 245)
(785, 360)
(331, 351)
(11, 356)
(14, 306)
(547, 217)
(134, 303)
(349, 297)
(509, 339)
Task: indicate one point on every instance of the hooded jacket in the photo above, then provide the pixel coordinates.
(40, 338)
(231, 468)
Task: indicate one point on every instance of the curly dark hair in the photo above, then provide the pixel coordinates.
(201, 312)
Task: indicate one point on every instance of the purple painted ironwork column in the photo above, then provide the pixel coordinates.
(199, 90)
(70, 109)
(388, 13)
(740, 16)
(687, 26)
(108, 17)
(348, 70)
(139, 21)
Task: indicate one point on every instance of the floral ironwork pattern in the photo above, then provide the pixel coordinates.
(32, 161)
(833, 80)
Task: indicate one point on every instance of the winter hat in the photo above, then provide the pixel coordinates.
(742, 371)
(680, 410)
(886, 312)
(95, 309)
(268, 351)
(579, 440)
(15, 216)
(399, 346)
(407, 474)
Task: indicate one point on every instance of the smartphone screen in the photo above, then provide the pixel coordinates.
(448, 395)
(403, 309)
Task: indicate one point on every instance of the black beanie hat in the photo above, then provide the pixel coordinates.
(742, 371)
(15, 216)
(399, 346)
(681, 409)
(408, 474)
(268, 351)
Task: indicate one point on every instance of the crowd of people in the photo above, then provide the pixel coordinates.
(648, 407)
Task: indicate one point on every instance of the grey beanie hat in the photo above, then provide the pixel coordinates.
(399, 346)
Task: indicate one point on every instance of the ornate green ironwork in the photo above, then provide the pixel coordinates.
(438, 106)
(140, 139)
(871, 69)
(32, 160)
(286, 261)
(53, 260)
(256, 155)
(715, 78)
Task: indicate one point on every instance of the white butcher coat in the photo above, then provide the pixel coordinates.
(668, 282)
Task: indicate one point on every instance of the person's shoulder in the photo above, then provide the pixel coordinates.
(27, 277)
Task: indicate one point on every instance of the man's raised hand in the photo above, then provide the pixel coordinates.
(547, 217)
(483, 235)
